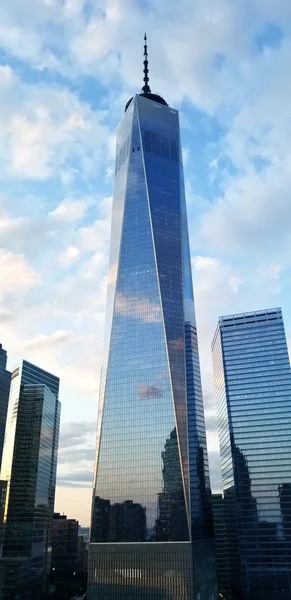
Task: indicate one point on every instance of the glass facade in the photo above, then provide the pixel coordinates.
(151, 473)
(220, 517)
(29, 468)
(5, 380)
(253, 388)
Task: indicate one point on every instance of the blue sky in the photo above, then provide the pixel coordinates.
(67, 68)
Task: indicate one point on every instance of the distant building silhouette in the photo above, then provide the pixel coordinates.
(64, 546)
(5, 381)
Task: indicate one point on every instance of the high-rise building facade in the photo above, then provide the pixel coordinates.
(29, 467)
(151, 533)
(5, 380)
(253, 388)
(220, 522)
(65, 557)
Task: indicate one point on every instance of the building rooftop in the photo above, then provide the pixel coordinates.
(146, 90)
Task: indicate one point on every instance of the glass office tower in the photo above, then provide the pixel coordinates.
(253, 388)
(29, 467)
(5, 380)
(151, 534)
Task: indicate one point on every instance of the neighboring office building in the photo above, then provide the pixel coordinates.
(220, 517)
(29, 467)
(253, 387)
(82, 552)
(5, 380)
(152, 498)
(64, 546)
(83, 540)
(3, 491)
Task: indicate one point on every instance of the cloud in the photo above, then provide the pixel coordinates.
(85, 40)
(73, 484)
(70, 210)
(44, 341)
(71, 458)
(211, 273)
(46, 129)
(76, 454)
(75, 433)
(247, 218)
(149, 392)
(16, 274)
(272, 271)
(76, 478)
(69, 256)
(215, 471)
(211, 422)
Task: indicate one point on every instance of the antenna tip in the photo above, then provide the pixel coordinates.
(145, 37)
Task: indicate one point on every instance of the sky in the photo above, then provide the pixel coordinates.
(67, 68)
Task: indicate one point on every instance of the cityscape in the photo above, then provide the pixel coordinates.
(189, 495)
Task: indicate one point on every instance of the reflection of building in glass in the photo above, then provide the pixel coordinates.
(171, 523)
(285, 505)
(100, 519)
(150, 382)
(253, 388)
(127, 522)
(29, 467)
(118, 522)
(5, 380)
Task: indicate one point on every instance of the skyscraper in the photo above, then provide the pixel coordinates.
(253, 389)
(29, 467)
(5, 380)
(151, 458)
(222, 551)
(64, 547)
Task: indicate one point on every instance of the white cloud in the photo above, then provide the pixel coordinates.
(70, 210)
(210, 273)
(45, 127)
(253, 215)
(272, 271)
(43, 341)
(69, 256)
(84, 39)
(16, 275)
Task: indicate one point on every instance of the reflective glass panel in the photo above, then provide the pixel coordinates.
(253, 387)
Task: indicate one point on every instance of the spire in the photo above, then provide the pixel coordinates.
(146, 88)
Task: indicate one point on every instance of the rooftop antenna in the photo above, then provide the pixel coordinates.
(146, 88)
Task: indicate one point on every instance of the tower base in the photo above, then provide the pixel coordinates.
(151, 571)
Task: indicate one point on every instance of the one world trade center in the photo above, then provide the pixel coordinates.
(151, 528)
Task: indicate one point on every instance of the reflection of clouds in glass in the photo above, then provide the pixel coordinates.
(189, 309)
(138, 307)
(150, 392)
(112, 274)
(163, 376)
(177, 344)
